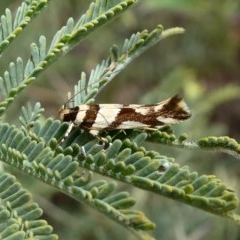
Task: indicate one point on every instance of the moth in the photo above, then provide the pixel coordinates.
(97, 117)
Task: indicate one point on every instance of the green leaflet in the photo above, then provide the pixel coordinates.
(224, 144)
(86, 90)
(11, 27)
(12, 83)
(18, 214)
(154, 172)
(49, 164)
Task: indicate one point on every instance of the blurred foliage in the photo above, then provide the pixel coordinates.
(203, 64)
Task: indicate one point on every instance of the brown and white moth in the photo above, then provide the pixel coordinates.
(96, 117)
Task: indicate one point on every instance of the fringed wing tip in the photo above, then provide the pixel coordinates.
(178, 107)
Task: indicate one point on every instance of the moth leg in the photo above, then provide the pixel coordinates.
(70, 127)
(83, 151)
(150, 128)
(95, 133)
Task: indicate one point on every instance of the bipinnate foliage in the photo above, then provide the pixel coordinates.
(19, 216)
(38, 148)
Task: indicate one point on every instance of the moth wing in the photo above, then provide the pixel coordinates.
(106, 114)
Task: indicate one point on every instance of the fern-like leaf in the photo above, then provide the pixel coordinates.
(131, 163)
(10, 28)
(153, 172)
(56, 166)
(30, 115)
(64, 40)
(86, 90)
(19, 216)
(221, 144)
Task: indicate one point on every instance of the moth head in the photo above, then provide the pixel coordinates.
(63, 110)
